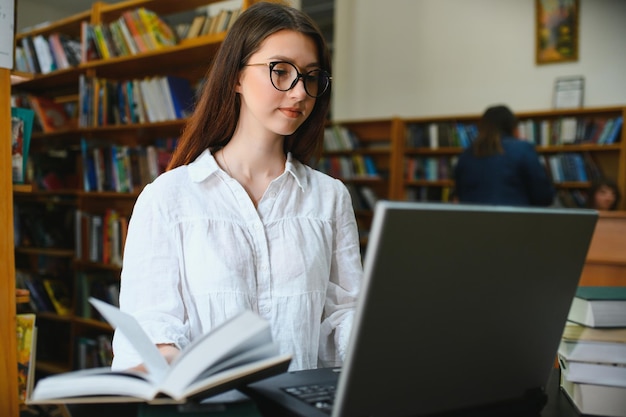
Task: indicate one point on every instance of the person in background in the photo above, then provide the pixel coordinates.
(603, 195)
(500, 169)
(239, 220)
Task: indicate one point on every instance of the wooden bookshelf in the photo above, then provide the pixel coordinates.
(609, 158)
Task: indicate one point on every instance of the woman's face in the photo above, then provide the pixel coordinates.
(604, 198)
(264, 109)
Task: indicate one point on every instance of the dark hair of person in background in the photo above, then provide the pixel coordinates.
(499, 168)
(603, 195)
(216, 113)
(496, 122)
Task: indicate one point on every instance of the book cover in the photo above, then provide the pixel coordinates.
(26, 347)
(29, 52)
(51, 115)
(599, 306)
(59, 295)
(40, 300)
(21, 130)
(58, 52)
(613, 135)
(127, 36)
(133, 29)
(181, 95)
(44, 54)
(239, 351)
(196, 26)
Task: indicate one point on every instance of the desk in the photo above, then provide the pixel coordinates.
(606, 260)
(558, 406)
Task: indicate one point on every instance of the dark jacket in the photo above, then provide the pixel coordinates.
(515, 177)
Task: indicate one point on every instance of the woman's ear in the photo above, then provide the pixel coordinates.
(238, 83)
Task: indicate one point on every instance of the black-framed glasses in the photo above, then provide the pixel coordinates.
(285, 76)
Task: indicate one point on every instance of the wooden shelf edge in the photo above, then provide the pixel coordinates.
(22, 188)
(52, 367)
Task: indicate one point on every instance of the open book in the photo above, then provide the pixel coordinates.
(238, 352)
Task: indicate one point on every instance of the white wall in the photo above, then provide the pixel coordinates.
(414, 58)
(33, 12)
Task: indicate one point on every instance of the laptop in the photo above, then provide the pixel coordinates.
(461, 310)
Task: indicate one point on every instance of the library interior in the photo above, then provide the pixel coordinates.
(96, 94)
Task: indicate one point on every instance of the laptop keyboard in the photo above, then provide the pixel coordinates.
(319, 396)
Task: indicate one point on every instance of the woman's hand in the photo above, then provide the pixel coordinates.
(168, 350)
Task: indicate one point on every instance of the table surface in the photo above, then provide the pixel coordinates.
(558, 406)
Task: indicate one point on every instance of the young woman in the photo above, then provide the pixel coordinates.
(499, 168)
(603, 195)
(239, 221)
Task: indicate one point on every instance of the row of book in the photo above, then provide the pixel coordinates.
(573, 198)
(93, 352)
(429, 168)
(42, 55)
(42, 226)
(47, 293)
(49, 115)
(363, 197)
(592, 352)
(103, 285)
(105, 102)
(340, 138)
(136, 31)
(437, 194)
(123, 168)
(547, 132)
(207, 24)
(567, 167)
(349, 167)
(100, 238)
(437, 135)
(569, 130)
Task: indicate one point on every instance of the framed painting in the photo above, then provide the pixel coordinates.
(557, 30)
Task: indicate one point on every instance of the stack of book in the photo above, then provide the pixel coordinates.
(592, 353)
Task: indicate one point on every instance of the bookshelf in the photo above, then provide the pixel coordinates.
(86, 266)
(364, 154)
(417, 154)
(430, 147)
(431, 178)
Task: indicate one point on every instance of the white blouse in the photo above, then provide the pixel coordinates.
(198, 252)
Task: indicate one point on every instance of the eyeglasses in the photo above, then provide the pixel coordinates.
(285, 76)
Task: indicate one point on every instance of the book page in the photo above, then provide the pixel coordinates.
(235, 336)
(154, 362)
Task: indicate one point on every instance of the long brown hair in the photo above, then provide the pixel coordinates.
(496, 122)
(217, 110)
